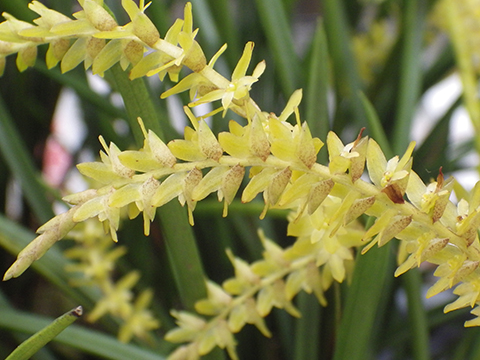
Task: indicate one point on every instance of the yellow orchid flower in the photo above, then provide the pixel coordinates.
(238, 89)
(392, 176)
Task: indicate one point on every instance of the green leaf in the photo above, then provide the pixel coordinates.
(375, 127)
(347, 80)
(316, 94)
(307, 328)
(34, 343)
(87, 340)
(410, 72)
(369, 288)
(278, 31)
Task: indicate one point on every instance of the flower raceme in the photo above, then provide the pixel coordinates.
(325, 202)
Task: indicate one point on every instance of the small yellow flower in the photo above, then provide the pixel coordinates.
(110, 169)
(141, 193)
(453, 268)
(246, 142)
(293, 143)
(238, 89)
(99, 206)
(391, 176)
(94, 252)
(215, 302)
(200, 143)
(117, 299)
(468, 217)
(196, 83)
(420, 244)
(12, 42)
(318, 237)
(309, 279)
(247, 313)
(223, 179)
(347, 157)
(244, 276)
(170, 58)
(468, 292)
(141, 321)
(189, 326)
(431, 199)
(275, 295)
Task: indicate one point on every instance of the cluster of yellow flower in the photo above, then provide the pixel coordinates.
(95, 261)
(372, 47)
(325, 200)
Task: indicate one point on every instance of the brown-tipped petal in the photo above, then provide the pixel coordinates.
(258, 142)
(230, 184)
(277, 186)
(394, 193)
(433, 247)
(306, 151)
(318, 193)
(440, 206)
(160, 150)
(466, 269)
(399, 223)
(26, 58)
(208, 142)
(358, 207)
(190, 182)
(357, 165)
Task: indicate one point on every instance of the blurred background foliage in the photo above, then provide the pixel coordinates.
(395, 53)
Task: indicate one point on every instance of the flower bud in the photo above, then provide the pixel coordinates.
(56, 50)
(133, 51)
(94, 46)
(194, 57)
(98, 16)
(144, 29)
(74, 55)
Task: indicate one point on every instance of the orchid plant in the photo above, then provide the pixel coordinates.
(338, 211)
